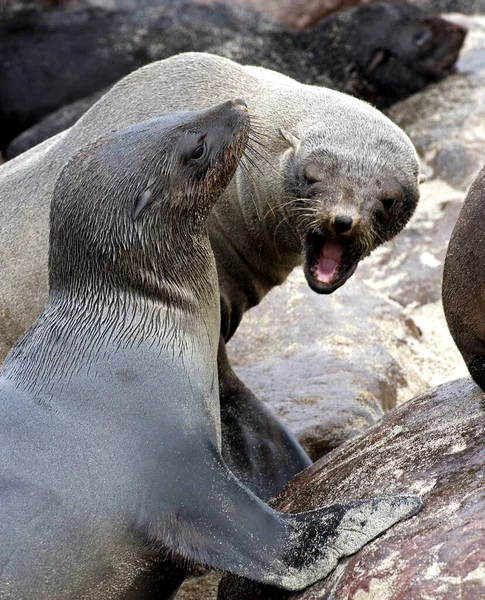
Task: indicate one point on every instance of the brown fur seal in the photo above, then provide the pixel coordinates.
(463, 296)
(109, 407)
(381, 53)
(328, 179)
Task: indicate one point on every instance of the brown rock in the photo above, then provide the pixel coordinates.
(297, 14)
(321, 362)
(432, 446)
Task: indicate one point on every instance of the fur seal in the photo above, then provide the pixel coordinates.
(380, 53)
(333, 179)
(462, 281)
(109, 402)
(467, 7)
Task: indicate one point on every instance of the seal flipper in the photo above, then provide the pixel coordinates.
(235, 531)
(256, 446)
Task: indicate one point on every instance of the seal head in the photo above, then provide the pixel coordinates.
(177, 185)
(393, 50)
(343, 207)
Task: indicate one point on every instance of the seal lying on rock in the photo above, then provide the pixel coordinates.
(433, 445)
(463, 300)
(109, 403)
(380, 53)
(333, 179)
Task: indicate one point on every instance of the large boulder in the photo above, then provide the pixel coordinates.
(432, 446)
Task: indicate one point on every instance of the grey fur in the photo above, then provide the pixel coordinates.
(256, 232)
(109, 403)
(468, 7)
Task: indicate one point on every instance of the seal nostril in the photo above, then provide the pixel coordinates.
(342, 223)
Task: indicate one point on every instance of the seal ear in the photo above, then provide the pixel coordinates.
(143, 200)
(291, 139)
(421, 178)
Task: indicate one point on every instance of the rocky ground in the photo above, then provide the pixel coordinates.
(433, 447)
(331, 366)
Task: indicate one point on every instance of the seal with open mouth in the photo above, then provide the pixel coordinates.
(340, 221)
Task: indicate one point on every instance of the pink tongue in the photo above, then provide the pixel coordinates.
(329, 261)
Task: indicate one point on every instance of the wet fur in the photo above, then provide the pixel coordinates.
(463, 281)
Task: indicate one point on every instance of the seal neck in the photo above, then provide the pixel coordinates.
(94, 312)
(255, 248)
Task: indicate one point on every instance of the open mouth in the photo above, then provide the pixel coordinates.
(328, 264)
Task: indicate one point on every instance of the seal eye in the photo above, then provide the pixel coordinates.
(388, 203)
(199, 152)
(421, 37)
(308, 181)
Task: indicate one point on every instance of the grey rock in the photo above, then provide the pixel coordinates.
(432, 446)
(321, 362)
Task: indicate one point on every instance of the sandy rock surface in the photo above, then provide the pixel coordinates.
(433, 447)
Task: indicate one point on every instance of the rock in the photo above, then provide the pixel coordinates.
(297, 14)
(432, 446)
(323, 366)
(200, 588)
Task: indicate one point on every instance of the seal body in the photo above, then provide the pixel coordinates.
(109, 402)
(462, 281)
(351, 52)
(328, 179)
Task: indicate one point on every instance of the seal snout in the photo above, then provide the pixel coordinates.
(240, 104)
(342, 224)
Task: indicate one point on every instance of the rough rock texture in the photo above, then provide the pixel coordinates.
(297, 14)
(322, 362)
(432, 446)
